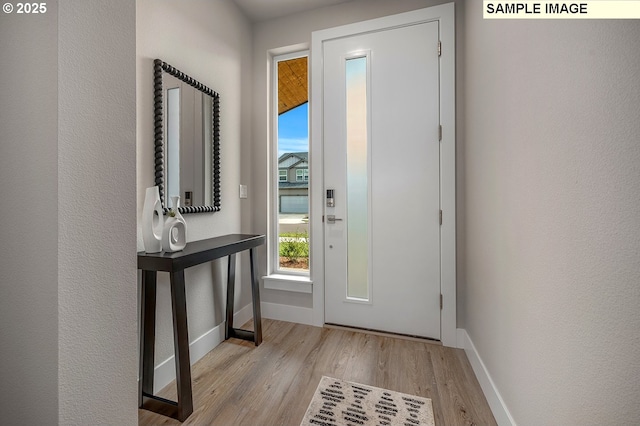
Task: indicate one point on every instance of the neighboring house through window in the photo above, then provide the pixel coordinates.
(294, 192)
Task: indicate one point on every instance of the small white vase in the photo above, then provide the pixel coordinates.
(174, 234)
(152, 221)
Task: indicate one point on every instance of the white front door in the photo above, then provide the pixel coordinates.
(382, 159)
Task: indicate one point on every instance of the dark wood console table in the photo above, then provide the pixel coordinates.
(194, 253)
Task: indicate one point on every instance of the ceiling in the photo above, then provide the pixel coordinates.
(264, 10)
(293, 80)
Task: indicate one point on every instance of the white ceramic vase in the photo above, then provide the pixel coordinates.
(174, 234)
(152, 221)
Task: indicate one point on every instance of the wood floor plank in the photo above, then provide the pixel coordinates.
(272, 384)
(459, 390)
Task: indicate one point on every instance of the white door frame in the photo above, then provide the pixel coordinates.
(445, 15)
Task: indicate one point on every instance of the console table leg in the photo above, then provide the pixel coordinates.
(231, 286)
(255, 294)
(147, 333)
(181, 345)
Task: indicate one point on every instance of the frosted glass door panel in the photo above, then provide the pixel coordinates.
(357, 179)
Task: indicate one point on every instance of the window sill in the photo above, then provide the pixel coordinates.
(296, 283)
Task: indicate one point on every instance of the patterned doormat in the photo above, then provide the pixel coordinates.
(340, 403)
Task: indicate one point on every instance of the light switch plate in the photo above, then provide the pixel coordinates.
(243, 191)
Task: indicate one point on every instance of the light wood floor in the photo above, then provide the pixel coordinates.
(272, 384)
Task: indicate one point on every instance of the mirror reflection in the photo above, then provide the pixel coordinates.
(187, 141)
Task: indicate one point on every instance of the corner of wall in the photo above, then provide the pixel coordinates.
(496, 403)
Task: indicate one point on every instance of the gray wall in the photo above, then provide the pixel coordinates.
(552, 194)
(29, 224)
(96, 213)
(211, 42)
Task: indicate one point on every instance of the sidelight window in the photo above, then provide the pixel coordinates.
(289, 232)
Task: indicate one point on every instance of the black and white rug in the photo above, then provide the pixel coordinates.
(340, 403)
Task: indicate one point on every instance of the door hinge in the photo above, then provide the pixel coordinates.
(440, 132)
(439, 48)
(440, 217)
(441, 301)
(322, 218)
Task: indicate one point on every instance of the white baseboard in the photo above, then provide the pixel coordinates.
(496, 403)
(461, 338)
(243, 315)
(165, 372)
(287, 313)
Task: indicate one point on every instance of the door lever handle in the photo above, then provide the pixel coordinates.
(332, 218)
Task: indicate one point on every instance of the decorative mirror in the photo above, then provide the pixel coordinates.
(187, 140)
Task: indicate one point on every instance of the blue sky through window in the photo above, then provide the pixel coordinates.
(293, 130)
